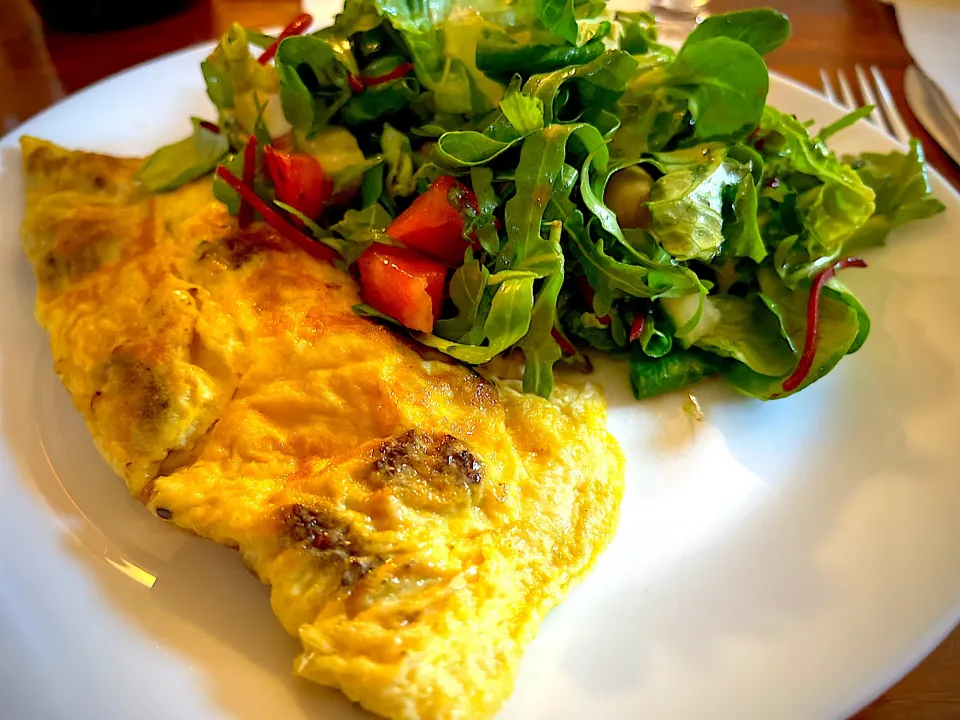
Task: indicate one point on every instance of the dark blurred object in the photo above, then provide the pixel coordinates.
(28, 80)
(99, 15)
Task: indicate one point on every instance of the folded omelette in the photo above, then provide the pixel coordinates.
(414, 520)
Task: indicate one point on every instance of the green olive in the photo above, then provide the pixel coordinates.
(626, 193)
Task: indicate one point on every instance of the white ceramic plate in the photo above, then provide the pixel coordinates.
(780, 560)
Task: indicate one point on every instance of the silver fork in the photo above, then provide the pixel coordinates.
(885, 115)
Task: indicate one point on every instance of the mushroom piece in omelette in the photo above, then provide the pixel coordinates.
(414, 520)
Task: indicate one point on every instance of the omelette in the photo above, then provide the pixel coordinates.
(415, 520)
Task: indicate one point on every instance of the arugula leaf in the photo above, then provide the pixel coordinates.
(352, 175)
(467, 286)
(175, 165)
(371, 187)
(763, 29)
(643, 275)
(481, 180)
(318, 232)
(360, 229)
(485, 224)
(899, 181)
(467, 148)
(846, 121)
(364, 310)
(541, 162)
(506, 322)
(676, 370)
(540, 349)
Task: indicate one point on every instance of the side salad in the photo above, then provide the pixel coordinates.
(543, 176)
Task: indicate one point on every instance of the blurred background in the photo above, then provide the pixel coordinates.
(52, 48)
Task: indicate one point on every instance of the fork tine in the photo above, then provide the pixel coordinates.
(846, 92)
(869, 98)
(894, 118)
(827, 83)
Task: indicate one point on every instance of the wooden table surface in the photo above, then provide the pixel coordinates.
(37, 67)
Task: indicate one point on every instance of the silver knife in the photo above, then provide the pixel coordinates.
(933, 110)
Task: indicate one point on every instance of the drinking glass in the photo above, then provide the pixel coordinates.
(677, 18)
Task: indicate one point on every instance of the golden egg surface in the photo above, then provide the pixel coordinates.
(415, 520)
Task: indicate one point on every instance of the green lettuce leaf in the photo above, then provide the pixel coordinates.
(726, 84)
(763, 29)
(420, 24)
(741, 231)
(638, 32)
(599, 84)
(175, 165)
(400, 181)
(686, 204)
(839, 332)
(559, 17)
(653, 341)
(899, 181)
(314, 83)
(521, 110)
(749, 332)
(833, 208)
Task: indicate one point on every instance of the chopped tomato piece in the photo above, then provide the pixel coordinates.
(273, 218)
(403, 284)
(299, 180)
(433, 224)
